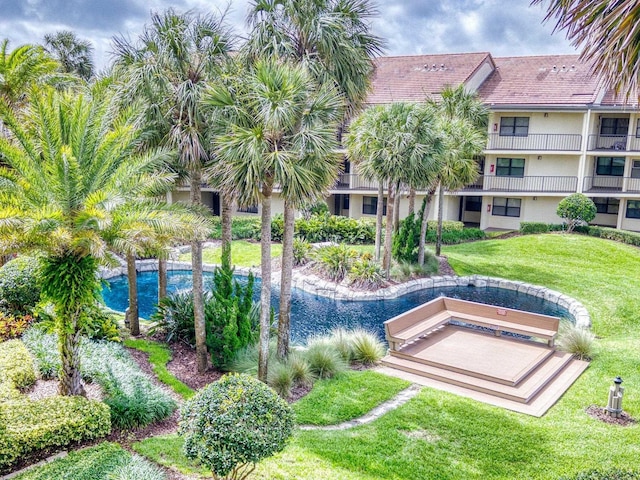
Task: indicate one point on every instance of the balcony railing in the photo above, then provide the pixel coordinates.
(354, 181)
(613, 143)
(536, 141)
(530, 184)
(603, 183)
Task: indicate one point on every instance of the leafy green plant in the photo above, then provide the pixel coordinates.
(174, 318)
(324, 358)
(404, 246)
(335, 260)
(447, 226)
(576, 340)
(529, 228)
(13, 326)
(43, 348)
(366, 273)
(16, 364)
(576, 209)
(301, 251)
(137, 468)
(19, 285)
(232, 424)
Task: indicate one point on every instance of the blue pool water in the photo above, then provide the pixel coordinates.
(312, 313)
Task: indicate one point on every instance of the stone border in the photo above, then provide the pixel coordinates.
(311, 283)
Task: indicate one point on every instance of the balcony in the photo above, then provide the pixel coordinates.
(614, 143)
(536, 141)
(354, 181)
(611, 184)
(551, 184)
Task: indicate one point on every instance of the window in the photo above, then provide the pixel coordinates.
(614, 126)
(613, 166)
(506, 207)
(345, 202)
(635, 169)
(609, 206)
(514, 126)
(633, 209)
(510, 167)
(370, 204)
(473, 204)
(248, 209)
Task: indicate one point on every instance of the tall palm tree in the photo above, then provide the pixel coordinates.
(609, 34)
(463, 125)
(394, 144)
(333, 39)
(170, 66)
(72, 53)
(278, 128)
(72, 168)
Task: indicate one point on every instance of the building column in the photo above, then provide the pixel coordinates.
(582, 164)
(621, 212)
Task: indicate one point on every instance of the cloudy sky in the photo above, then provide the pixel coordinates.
(507, 27)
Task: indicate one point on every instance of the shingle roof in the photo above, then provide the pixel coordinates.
(540, 80)
(416, 77)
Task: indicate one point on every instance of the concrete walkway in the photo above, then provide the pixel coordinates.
(400, 399)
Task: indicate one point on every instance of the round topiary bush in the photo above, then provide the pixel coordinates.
(19, 285)
(576, 209)
(232, 424)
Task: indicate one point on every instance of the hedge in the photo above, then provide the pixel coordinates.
(453, 237)
(16, 366)
(447, 226)
(30, 426)
(622, 236)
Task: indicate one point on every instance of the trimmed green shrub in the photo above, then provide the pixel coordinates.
(16, 365)
(529, 228)
(334, 228)
(576, 209)
(454, 237)
(50, 422)
(447, 226)
(301, 251)
(623, 236)
(335, 260)
(576, 340)
(613, 474)
(19, 285)
(241, 228)
(232, 424)
(13, 326)
(366, 273)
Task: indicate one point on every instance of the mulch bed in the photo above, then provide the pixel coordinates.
(183, 366)
(444, 268)
(598, 413)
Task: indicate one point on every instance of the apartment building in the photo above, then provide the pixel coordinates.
(553, 131)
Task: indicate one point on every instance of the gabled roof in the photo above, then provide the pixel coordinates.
(417, 77)
(554, 80)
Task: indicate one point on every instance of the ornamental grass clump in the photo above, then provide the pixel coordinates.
(366, 347)
(324, 358)
(234, 423)
(576, 340)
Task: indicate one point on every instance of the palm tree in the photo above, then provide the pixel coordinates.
(72, 168)
(170, 66)
(333, 39)
(20, 68)
(72, 53)
(278, 127)
(463, 125)
(394, 144)
(609, 33)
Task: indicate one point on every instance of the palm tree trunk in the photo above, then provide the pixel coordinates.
(379, 212)
(132, 275)
(396, 210)
(202, 359)
(162, 278)
(69, 345)
(440, 208)
(284, 320)
(423, 227)
(225, 220)
(265, 292)
(412, 201)
(388, 233)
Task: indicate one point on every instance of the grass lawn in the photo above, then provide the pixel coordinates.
(331, 401)
(243, 253)
(438, 435)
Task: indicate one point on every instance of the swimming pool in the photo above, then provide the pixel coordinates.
(311, 313)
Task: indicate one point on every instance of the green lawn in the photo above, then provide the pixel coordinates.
(243, 253)
(438, 435)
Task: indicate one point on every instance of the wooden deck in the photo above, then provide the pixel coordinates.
(517, 374)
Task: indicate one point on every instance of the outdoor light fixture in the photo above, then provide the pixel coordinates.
(614, 406)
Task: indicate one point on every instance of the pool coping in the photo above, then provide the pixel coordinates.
(311, 283)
